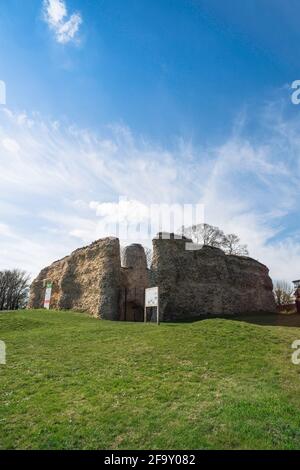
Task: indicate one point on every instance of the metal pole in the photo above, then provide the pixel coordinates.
(158, 319)
(145, 312)
(125, 305)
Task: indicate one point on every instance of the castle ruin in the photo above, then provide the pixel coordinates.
(192, 282)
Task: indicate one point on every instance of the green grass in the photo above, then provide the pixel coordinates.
(75, 382)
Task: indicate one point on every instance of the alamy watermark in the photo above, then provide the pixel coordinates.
(132, 220)
(2, 353)
(296, 353)
(2, 92)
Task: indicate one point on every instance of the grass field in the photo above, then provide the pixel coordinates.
(75, 382)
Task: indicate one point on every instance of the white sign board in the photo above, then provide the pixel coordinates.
(48, 295)
(151, 297)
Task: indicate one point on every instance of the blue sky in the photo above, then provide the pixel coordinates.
(177, 101)
(164, 68)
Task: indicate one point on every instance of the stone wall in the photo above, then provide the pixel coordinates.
(206, 281)
(51, 273)
(191, 282)
(135, 279)
(87, 280)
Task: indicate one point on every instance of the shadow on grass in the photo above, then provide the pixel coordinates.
(264, 319)
(269, 319)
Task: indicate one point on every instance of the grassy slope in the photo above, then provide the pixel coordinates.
(75, 382)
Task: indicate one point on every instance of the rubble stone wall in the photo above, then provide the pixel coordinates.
(206, 281)
(51, 273)
(192, 283)
(135, 279)
(87, 280)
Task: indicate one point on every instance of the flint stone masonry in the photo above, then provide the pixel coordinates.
(87, 280)
(192, 283)
(206, 281)
(135, 279)
(135, 266)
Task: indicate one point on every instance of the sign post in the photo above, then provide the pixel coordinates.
(48, 295)
(152, 300)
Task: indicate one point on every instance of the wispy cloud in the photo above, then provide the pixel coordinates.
(65, 27)
(58, 182)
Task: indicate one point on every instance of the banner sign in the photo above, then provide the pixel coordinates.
(48, 295)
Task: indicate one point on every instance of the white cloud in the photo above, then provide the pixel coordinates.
(56, 11)
(11, 145)
(255, 207)
(56, 16)
(58, 183)
(5, 230)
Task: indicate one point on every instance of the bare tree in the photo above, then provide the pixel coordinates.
(203, 234)
(283, 292)
(14, 289)
(232, 246)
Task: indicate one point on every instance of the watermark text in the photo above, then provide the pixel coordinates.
(296, 353)
(2, 92)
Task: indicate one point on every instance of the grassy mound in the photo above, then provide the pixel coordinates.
(75, 382)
